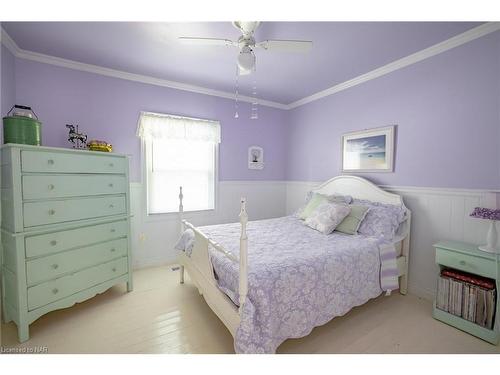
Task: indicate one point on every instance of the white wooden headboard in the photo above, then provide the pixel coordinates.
(358, 187)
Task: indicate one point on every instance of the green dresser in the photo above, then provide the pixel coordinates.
(466, 257)
(65, 229)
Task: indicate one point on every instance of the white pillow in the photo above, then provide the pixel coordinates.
(327, 216)
(336, 198)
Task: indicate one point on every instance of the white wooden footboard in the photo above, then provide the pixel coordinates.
(201, 272)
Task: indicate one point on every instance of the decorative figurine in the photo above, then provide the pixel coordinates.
(79, 140)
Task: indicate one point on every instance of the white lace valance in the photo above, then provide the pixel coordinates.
(159, 126)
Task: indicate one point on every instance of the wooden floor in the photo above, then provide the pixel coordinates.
(161, 316)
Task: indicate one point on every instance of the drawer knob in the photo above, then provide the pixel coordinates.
(55, 291)
(52, 212)
(51, 187)
(110, 184)
(113, 250)
(111, 205)
(53, 243)
(462, 262)
(55, 266)
(112, 230)
(111, 165)
(114, 269)
(50, 162)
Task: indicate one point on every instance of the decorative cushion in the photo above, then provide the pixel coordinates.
(382, 220)
(326, 216)
(338, 198)
(314, 199)
(351, 223)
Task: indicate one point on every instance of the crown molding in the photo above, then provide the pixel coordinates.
(8, 42)
(458, 40)
(436, 49)
(75, 65)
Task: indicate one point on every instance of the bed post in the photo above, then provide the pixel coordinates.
(181, 229)
(403, 286)
(243, 287)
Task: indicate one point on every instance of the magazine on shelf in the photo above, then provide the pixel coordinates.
(468, 296)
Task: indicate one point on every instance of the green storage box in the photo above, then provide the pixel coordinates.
(19, 128)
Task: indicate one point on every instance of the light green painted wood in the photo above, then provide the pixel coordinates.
(75, 223)
(468, 258)
(468, 263)
(75, 298)
(9, 257)
(12, 218)
(10, 288)
(464, 248)
(466, 326)
(46, 244)
(56, 211)
(61, 186)
(50, 267)
(50, 291)
(57, 162)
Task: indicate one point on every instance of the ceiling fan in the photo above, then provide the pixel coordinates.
(247, 44)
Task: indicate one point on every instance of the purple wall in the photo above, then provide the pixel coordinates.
(8, 89)
(108, 108)
(446, 109)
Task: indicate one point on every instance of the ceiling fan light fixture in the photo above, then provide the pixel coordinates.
(246, 60)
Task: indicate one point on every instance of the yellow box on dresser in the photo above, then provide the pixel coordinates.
(65, 229)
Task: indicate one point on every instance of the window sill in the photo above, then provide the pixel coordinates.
(174, 216)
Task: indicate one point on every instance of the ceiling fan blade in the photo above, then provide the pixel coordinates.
(286, 45)
(207, 41)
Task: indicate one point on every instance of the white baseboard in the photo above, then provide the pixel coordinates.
(152, 262)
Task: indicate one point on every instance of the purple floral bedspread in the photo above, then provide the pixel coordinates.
(298, 278)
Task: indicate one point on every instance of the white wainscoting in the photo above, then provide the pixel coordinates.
(437, 214)
(153, 237)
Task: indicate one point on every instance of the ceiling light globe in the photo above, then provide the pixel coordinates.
(246, 60)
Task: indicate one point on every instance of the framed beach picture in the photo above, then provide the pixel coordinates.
(368, 150)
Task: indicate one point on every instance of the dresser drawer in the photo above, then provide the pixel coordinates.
(53, 266)
(45, 244)
(57, 211)
(60, 162)
(467, 263)
(62, 186)
(51, 291)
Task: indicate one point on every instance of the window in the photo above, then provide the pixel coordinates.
(179, 152)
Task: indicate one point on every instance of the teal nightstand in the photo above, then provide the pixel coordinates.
(468, 258)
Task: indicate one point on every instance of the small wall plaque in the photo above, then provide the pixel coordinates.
(255, 157)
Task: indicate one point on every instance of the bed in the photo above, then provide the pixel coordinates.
(270, 280)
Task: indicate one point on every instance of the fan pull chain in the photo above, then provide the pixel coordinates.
(236, 115)
(255, 110)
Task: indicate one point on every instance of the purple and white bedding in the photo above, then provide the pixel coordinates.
(298, 278)
(382, 220)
